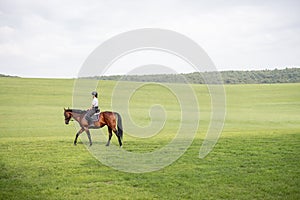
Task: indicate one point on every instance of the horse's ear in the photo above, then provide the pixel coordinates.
(64, 109)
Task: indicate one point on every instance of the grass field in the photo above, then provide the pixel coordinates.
(256, 157)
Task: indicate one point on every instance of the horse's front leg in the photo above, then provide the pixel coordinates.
(89, 135)
(77, 134)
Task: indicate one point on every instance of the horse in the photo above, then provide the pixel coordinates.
(110, 119)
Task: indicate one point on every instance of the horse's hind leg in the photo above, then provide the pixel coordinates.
(77, 134)
(109, 135)
(119, 138)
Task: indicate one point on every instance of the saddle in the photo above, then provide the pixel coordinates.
(95, 117)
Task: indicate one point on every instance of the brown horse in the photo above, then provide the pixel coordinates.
(113, 121)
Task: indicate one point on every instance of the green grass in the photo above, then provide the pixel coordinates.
(256, 157)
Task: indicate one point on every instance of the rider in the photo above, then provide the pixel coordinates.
(94, 107)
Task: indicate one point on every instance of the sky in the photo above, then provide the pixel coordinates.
(52, 39)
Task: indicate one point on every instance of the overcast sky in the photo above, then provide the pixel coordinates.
(53, 38)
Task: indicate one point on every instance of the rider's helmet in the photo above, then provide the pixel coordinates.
(94, 93)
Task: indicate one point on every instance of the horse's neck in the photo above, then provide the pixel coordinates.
(77, 116)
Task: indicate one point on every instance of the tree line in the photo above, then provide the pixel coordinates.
(287, 75)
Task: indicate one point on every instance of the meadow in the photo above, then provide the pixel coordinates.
(256, 157)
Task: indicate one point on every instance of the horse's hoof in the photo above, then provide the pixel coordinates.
(75, 144)
(90, 145)
(107, 145)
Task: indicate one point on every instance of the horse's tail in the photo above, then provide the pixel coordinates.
(119, 125)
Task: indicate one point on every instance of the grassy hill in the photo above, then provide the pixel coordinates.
(256, 157)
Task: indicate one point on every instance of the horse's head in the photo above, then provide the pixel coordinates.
(68, 115)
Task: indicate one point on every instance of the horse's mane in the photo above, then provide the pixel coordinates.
(76, 111)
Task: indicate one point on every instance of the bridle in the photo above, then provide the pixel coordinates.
(68, 119)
